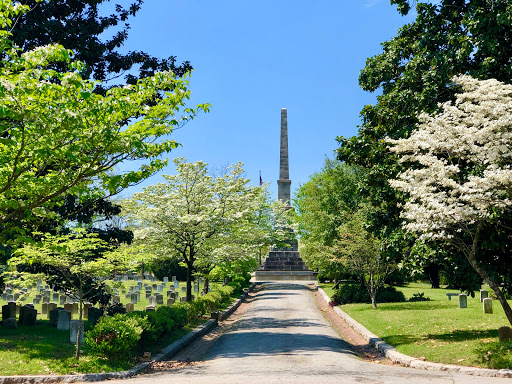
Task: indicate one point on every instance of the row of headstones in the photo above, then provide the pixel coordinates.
(484, 299)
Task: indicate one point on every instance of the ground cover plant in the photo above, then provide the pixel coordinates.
(438, 330)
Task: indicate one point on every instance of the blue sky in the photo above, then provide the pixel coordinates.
(251, 59)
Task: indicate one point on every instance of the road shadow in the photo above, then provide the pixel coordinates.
(246, 344)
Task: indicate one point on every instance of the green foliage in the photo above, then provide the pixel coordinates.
(355, 293)
(115, 337)
(420, 296)
(322, 205)
(239, 283)
(81, 27)
(226, 292)
(414, 72)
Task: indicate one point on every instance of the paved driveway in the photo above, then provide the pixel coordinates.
(284, 338)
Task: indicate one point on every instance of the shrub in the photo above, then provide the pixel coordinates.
(115, 337)
(420, 296)
(225, 293)
(355, 293)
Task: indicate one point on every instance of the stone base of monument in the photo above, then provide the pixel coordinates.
(285, 275)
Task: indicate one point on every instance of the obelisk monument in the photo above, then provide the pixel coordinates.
(284, 182)
(284, 263)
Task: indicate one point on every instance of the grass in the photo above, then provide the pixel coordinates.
(438, 330)
(42, 349)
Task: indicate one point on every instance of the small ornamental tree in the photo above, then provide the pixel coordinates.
(459, 180)
(186, 217)
(74, 260)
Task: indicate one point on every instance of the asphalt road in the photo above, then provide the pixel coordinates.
(284, 338)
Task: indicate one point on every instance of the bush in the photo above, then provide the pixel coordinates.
(115, 337)
(225, 293)
(420, 296)
(238, 283)
(355, 293)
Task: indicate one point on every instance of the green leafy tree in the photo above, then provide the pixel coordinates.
(82, 26)
(414, 72)
(189, 215)
(322, 204)
(361, 253)
(59, 137)
(69, 262)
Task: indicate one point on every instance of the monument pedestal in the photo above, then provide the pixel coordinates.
(284, 265)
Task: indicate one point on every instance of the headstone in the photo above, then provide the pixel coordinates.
(36, 301)
(12, 309)
(133, 298)
(51, 307)
(174, 279)
(55, 297)
(116, 299)
(86, 309)
(487, 305)
(484, 294)
(10, 323)
(463, 300)
(44, 308)
(6, 312)
(160, 288)
(53, 315)
(68, 307)
(159, 299)
(4, 296)
(63, 320)
(62, 300)
(29, 316)
(148, 295)
(150, 308)
(170, 302)
(16, 296)
(73, 331)
(154, 286)
(46, 299)
(183, 289)
(8, 291)
(130, 307)
(152, 301)
(94, 315)
(166, 279)
(505, 334)
(74, 308)
(176, 285)
(10, 297)
(183, 299)
(169, 293)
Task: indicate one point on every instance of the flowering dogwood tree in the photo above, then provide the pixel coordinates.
(191, 213)
(459, 177)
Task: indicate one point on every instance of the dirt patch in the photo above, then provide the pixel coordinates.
(358, 344)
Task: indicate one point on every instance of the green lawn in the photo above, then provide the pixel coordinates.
(438, 330)
(42, 349)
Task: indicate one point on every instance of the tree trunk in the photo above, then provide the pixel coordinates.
(80, 328)
(374, 300)
(206, 285)
(190, 264)
(471, 256)
(433, 274)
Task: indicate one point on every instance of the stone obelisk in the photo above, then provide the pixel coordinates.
(284, 263)
(284, 182)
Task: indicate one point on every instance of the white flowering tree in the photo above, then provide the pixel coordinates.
(191, 213)
(459, 174)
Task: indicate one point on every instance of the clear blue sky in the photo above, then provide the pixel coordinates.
(251, 59)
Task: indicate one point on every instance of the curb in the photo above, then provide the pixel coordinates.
(399, 358)
(167, 352)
